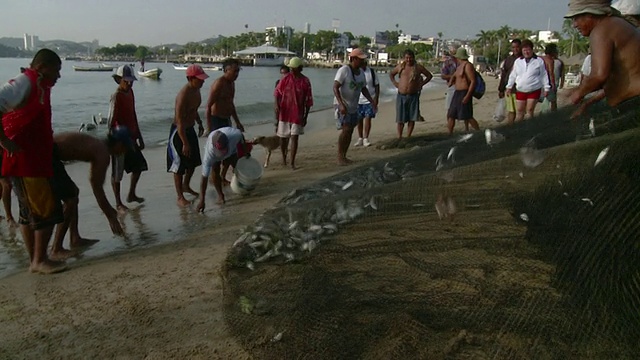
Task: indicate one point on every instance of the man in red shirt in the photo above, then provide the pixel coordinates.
(293, 99)
(123, 113)
(26, 135)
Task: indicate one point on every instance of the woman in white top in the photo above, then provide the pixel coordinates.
(531, 79)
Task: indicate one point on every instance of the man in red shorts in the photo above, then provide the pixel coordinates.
(26, 135)
(530, 77)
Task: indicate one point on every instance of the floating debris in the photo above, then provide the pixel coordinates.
(601, 156)
(531, 156)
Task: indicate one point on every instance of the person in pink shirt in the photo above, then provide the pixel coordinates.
(293, 99)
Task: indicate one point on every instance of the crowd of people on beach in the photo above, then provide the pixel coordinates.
(32, 156)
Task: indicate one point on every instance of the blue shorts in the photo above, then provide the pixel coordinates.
(366, 111)
(407, 108)
(350, 120)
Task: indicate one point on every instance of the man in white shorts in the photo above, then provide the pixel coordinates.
(293, 99)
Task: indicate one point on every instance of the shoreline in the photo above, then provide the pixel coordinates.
(164, 299)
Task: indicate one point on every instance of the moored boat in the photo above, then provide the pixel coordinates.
(101, 67)
(151, 73)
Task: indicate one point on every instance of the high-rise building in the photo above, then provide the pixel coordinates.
(26, 41)
(34, 42)
(307, 28)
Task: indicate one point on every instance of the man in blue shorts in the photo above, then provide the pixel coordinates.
(365, 108)
(348, 84)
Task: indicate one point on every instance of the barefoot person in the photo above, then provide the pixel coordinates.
(464, 81)
(365, 108)
(348, 84)
(412, 77)
(555, 69)
(26, 135)
(123, 113)
(221, 148)
(293, 99)
(183, 149)
(73, 146)
(531, 81)
(615, 49)
(220, 107)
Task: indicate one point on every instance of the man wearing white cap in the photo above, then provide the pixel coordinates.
(183, 149)
(348, 84)
(630, 9)
(293, 99)
(615, 49)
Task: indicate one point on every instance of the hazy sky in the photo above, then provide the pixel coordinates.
(154, 22)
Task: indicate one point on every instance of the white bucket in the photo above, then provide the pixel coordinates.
(246, 175)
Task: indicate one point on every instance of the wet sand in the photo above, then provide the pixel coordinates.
(164, 301)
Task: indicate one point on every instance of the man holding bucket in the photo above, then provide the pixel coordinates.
(221, 149)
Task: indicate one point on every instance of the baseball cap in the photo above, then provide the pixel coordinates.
(220, 144)
(121, 134)
(195, 70)
(627, 7)
(295, 62)
(125, 72)
(358, 53)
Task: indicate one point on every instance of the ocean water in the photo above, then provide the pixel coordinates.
(79, 95)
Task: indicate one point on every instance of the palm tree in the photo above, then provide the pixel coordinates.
(504, 32)
(483, 38)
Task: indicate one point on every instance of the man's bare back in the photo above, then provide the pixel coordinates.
(81, 147)
(221, 98)
(187, 104)
(615, 50)
(623, 81)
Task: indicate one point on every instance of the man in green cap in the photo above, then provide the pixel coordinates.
(615, 49)
(293, 99)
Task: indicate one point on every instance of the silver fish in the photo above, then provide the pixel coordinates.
(464, 138)
(524, 217)
(451, 153)
(601, 156)
(592, 127)
(587, 200)
(250, 266)
(347, 185)
(277, 337)
(492, 137)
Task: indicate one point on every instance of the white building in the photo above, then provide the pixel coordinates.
(407, 38)
(277, 31)
(34, 42)
(307, 28)
(25, 39)
(547, 37)
(341, 43)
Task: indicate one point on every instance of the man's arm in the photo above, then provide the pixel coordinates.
(336, 92)
(206, 171)
(561, 75)
(601, 50)
(512, 78)
(96, 179)
(427, 75)
(308, 103)
(549, 66)
(367, 95)
(471, 75)
(277, 98)
(504, 78)
(393, 73)
(181, 113)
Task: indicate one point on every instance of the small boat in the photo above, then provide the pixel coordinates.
(204, 67)
(101, 67)
(151, 73)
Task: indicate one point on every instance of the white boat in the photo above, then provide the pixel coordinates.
(151, 73)
(204, 67)
(101, 67)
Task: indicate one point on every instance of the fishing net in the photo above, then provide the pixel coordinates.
(516, 243)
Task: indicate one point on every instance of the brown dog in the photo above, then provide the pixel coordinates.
(269, 143)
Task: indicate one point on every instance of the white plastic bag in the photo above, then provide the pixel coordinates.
(501, 110)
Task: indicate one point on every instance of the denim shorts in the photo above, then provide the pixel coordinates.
(346, 119)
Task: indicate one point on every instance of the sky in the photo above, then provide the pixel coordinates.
(156, 22)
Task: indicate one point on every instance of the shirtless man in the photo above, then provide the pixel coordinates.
(615, 49)
(464, 80)
(220, 106)
(183, 149)
(555, 69)
(413, 77)
(73, 146)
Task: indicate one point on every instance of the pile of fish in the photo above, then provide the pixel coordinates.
(290, 239)
(365, 179)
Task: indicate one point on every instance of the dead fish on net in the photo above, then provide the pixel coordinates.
(347, 185)
(592, 128)
(601, 156)
(439, 162)
(445, 207)
(492, 137)
(309, 246)
(372, 203)
(464, 138)
(452, 152)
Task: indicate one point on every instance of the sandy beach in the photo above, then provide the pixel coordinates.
(165, 301)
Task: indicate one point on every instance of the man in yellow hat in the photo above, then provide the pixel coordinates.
(293, 99)
(615, 49)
